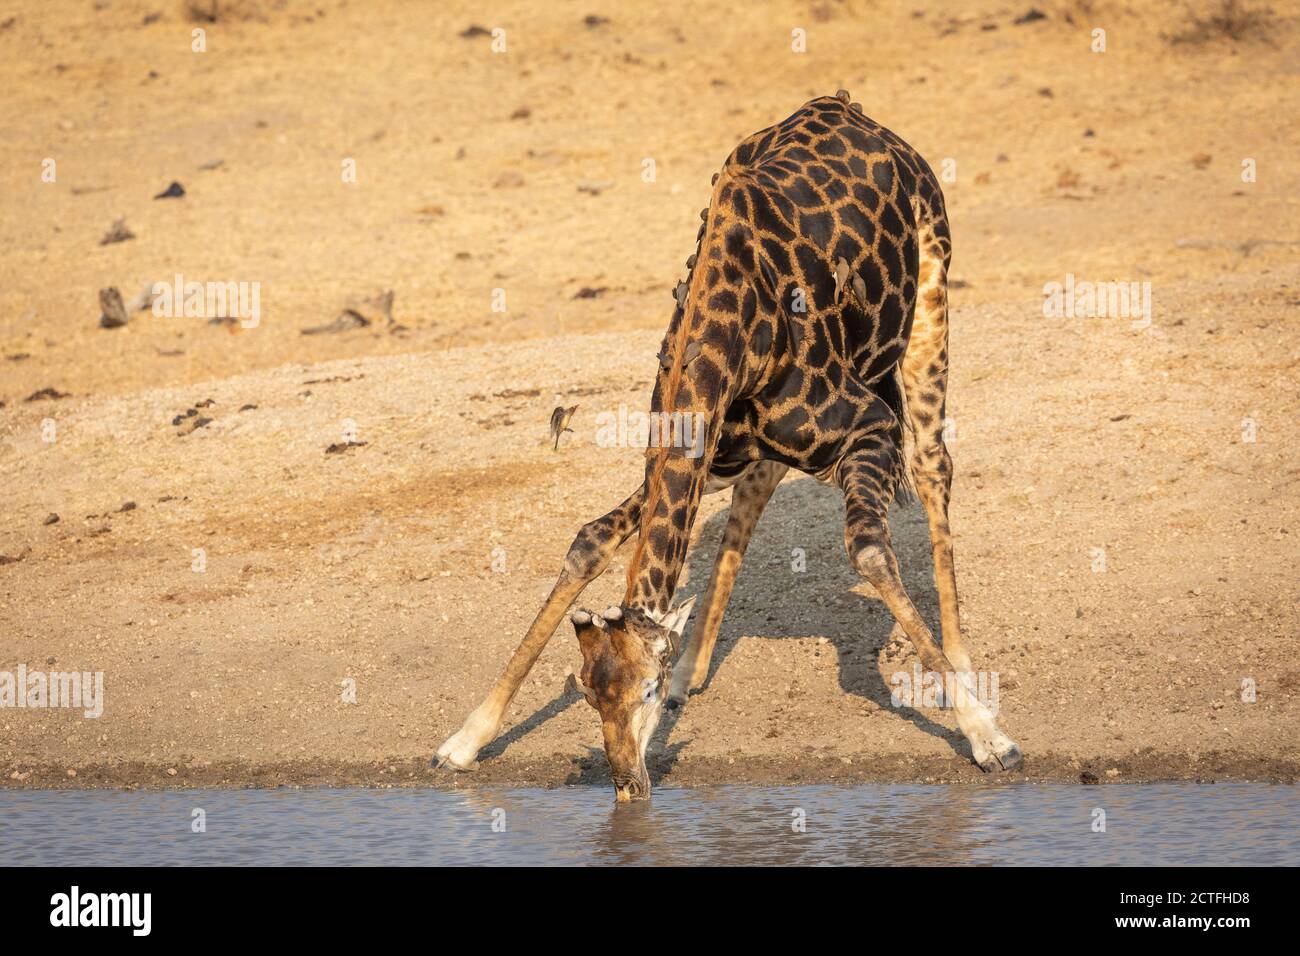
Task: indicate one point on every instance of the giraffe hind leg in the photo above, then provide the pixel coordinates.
(925, 382)
(865, 475)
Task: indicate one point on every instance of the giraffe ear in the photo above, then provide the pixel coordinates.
(573, 684)
(674, 622)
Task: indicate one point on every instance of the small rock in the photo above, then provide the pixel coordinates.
(49, 392)
(359, 313)
(194, 423)
(343, 322)
(51, 518)
(174, 191)
(117, 233)
(112, 313)
(375, 307)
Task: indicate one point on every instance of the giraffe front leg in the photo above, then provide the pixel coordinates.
(589, 555)
(748, 499)
(865, 478)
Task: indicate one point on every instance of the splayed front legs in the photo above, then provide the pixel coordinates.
(589, 555)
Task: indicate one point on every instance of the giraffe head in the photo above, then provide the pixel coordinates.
(627, 663)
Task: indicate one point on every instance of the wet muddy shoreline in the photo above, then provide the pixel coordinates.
(559, 770)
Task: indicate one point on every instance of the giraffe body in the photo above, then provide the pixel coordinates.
(793, 367)
(811, 333)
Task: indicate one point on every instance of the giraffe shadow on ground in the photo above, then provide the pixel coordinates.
(561, 703)
(771, 597)
(803, 527)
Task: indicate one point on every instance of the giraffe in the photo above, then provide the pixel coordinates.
(811, 333)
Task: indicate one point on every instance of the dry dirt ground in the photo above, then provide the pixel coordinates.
(1125, 506)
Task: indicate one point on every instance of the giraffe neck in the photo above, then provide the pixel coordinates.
(705, 360)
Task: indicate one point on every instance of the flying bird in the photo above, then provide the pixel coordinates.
(560, 422)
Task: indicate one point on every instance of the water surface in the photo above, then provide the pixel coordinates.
(1161, 824)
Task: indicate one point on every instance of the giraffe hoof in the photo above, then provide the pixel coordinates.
(677, 696)
(460, 751)
(678, 693)
(439, 762)
(1009, 759)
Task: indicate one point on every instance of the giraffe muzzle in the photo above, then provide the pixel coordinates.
(633, 788)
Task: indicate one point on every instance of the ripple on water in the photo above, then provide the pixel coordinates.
(1160, 824)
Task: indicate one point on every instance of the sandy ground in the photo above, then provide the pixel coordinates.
(1126, 499)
